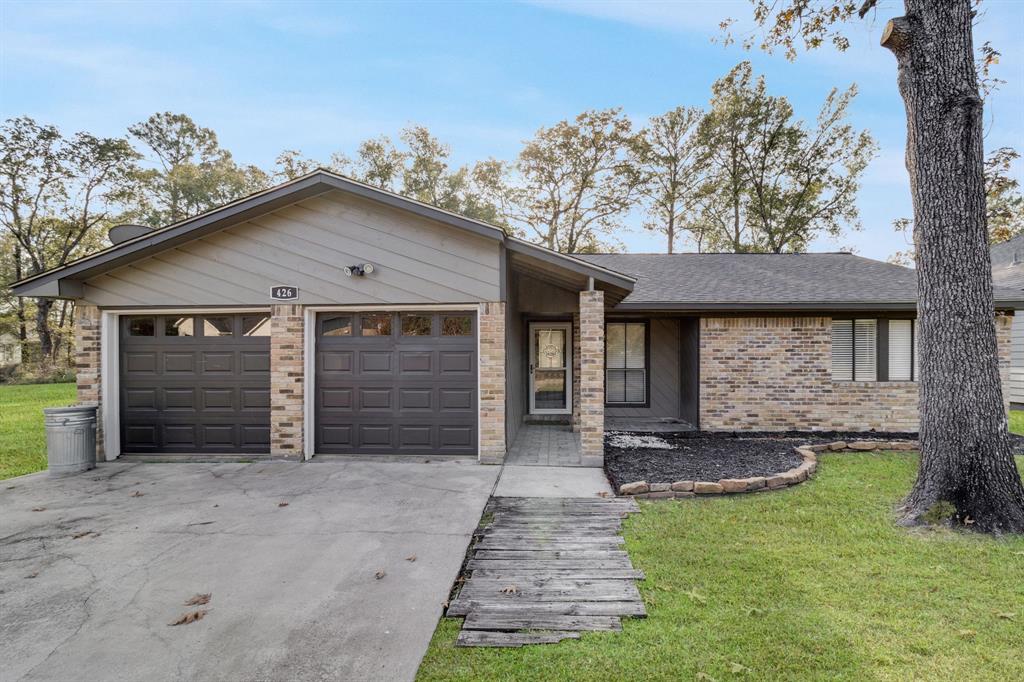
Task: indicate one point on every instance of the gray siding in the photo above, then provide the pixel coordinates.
(689, 378)
(307, 244)
(515, 369)
(665, 373)
(1017, 360)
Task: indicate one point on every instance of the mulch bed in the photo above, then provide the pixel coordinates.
(706, 456)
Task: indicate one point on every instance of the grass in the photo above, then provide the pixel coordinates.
(811, 583)
(22, 438)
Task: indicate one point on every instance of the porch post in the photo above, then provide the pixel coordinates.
(492, 382)
(88, 355)
(591, 407)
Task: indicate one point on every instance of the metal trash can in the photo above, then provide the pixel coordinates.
(70, 439)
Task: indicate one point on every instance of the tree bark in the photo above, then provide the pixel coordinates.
(966, 459)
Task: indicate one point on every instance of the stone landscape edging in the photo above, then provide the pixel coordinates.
(756, 484)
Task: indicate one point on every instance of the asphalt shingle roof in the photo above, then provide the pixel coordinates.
(813, 279)
(1008, 263)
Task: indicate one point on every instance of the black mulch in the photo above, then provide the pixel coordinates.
(705, 456)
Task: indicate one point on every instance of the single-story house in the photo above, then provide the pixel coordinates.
(1008, 273)
(324, 316)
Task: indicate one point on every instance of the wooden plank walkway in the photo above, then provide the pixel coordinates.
(545, 569)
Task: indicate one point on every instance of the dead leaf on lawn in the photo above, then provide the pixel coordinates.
(967, 634)
(138, 493)
(411, 557)
(282, 504)
(38, 508)
(705, 677)
(199, 600)
(697, 597)
(754, 611)
(738, 668)
(1006, 616)
(510, 589)
(190, 617)
(379, 574)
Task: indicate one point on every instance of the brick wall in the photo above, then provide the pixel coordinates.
(576, 372)
(774, 374)
(492, 382)
(87, 364)
(591, 402)
(286, 380)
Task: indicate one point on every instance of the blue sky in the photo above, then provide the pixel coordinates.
(321, 76)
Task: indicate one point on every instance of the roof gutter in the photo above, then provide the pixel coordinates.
(789, 306)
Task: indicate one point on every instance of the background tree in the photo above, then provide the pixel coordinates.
(57, 196)
(379, 163)
(189, 172)
(1004, 204)
(773, 184)
(666, 155)
(573, 181)
(966, 459)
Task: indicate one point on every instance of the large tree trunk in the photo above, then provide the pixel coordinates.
(966, 458)
(44, 332)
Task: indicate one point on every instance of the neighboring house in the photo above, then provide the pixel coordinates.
(260, 327)
(10, 350)
(1008, 273)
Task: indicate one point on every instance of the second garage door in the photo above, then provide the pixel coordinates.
(396, 383)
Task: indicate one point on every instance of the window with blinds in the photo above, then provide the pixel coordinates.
(901, 350)
(854, 350)
(625, 363)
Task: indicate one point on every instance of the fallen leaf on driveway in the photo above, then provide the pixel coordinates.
(282, 504)
(379, 574)
(190, 617)
(83, 534)
(33, 574)
(199, 600)
(411, 558)
(137, 494)
(39, 509)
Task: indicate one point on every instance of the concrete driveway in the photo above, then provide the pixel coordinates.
(289, 552)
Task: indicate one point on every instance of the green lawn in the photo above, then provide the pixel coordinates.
(811, 583)
(22, 439)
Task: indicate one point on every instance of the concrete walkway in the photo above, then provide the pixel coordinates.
(545, 445)
(95, 568)
(537, 481)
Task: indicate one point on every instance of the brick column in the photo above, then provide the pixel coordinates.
(286, 380)
(592, 377)
(576, 372)
(491, 330)
(87, 364)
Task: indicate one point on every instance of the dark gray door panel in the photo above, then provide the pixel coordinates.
(205, 389)
(396, 393)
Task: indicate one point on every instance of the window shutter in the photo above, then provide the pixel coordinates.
(842, 350)
(900, 350)
(865, 350)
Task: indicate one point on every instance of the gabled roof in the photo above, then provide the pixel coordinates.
(66, 281)
(735, 281)
(1008, 263)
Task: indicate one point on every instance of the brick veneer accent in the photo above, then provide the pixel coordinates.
(286, 380)
(88, 355)
(591, 402)
(775, 374)
(491, 330)
(576, 372)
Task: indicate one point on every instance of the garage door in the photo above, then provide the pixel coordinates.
(195, 383)
(396, 383)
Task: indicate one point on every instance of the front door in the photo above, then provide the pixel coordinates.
(550, 368)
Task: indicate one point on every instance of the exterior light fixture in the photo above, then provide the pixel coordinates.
(358, 270)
